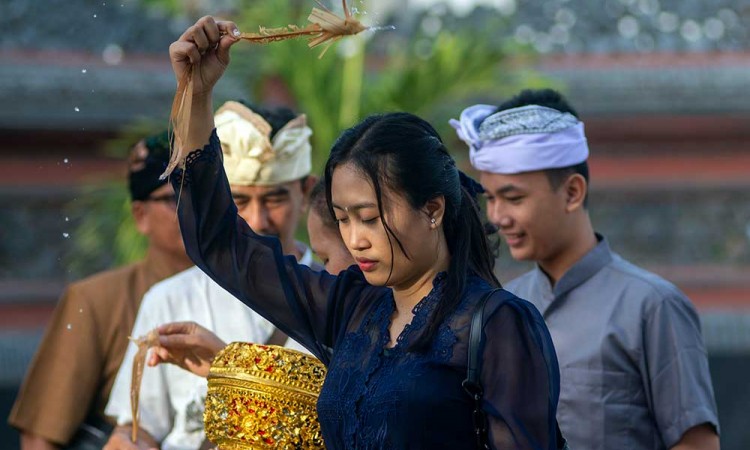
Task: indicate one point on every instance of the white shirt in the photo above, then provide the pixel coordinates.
(171, 399)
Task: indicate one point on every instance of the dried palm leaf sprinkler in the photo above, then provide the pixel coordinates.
(325, 28)
(139, 362)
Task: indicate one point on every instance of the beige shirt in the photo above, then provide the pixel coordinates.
(77, 360)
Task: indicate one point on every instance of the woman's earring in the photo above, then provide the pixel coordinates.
(433, 222)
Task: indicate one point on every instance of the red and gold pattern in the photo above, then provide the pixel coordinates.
(263, 397)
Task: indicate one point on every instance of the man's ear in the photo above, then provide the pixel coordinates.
(576, 190)
(307, 185)
(140, 216)
(434, 209)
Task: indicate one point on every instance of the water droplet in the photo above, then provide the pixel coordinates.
(80, 310)
(76, 109)
(66, 235)
(83, 70)
(94, 16)
(66, 160)
(383, 28)
(69, 327)
(67, 219)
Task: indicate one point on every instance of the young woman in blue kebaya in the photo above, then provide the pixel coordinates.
(393, 330)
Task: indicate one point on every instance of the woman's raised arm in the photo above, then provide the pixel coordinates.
(311, 307)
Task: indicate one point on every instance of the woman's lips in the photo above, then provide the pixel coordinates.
(366, 265)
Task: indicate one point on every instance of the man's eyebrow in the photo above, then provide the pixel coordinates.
(507, 188)
(280, 190)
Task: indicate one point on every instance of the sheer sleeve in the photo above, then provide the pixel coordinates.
(311, 307)
(520, 377)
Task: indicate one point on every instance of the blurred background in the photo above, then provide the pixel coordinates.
(662, 85)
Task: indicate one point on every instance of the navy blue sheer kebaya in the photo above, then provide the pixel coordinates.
(376, 397)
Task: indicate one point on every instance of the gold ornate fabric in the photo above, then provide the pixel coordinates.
(263, 397)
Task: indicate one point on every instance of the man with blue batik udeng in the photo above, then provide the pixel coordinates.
(633, 366)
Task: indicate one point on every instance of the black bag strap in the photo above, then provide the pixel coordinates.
(472, 384)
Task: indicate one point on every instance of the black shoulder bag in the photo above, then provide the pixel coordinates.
(473, 386)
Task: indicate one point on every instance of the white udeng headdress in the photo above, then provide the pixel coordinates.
(251, 157)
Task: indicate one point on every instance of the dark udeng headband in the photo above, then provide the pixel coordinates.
(146, 166)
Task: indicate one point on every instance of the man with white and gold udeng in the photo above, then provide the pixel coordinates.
(267, 158)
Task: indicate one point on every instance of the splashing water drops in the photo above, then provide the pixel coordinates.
(77, 109)
(84, 70)
(66, 235)
(69, 327)
(382, 28)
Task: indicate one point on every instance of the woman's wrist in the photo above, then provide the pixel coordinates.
(201, 121)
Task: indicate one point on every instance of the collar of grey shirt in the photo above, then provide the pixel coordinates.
(585, 268)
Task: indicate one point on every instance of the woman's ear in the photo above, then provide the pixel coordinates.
(576, 189)
(434, 209)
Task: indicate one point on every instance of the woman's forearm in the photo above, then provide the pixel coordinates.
(201, 122)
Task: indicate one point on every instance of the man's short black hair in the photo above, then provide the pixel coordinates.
(276, 116)
(542, 97)
(550, 98)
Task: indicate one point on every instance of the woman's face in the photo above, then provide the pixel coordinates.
(381, 260)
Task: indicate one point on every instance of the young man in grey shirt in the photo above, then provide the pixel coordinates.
(633, 366)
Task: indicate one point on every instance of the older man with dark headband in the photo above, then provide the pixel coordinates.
(61, 402)
(633, 366)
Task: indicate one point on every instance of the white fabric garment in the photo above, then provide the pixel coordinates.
(172, 399)
(251, 157)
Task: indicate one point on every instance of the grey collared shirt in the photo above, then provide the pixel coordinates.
(633, 366)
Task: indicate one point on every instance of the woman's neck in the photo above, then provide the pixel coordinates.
(410, 292)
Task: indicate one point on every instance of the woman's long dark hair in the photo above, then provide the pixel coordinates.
(404, 153)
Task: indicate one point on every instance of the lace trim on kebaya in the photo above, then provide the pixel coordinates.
(208, 153)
